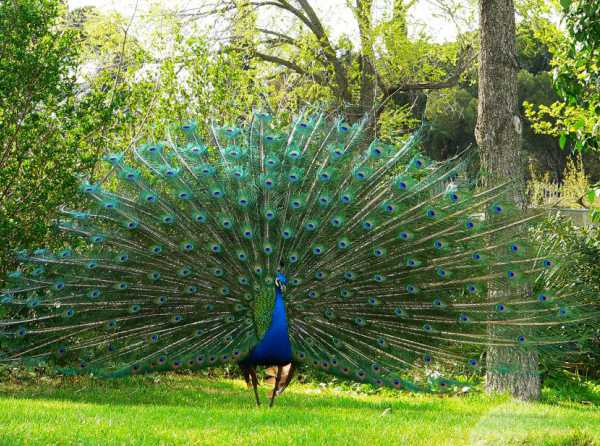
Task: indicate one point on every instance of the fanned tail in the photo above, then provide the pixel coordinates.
(389, 256)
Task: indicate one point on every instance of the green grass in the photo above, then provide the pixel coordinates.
(186, 410)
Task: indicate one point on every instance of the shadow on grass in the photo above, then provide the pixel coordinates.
(193, 392)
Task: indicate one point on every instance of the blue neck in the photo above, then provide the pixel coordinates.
(279, 296)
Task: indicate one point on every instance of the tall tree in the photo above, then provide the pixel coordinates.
(498, 134)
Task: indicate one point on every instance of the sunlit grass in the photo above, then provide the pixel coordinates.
(186, 410)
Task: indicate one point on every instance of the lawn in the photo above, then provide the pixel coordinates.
(188, 410)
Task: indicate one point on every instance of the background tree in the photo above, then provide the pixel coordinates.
(451, 112)
(47, 130)
(576, 61)
(73, 86)
(384, 63)
(575, 117)
(498, 134)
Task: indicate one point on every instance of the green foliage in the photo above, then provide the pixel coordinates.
(46, 122)
(395, 122)
(536, 88)
(577, 80)
(451, 114)
(537, 34)
(73, 84)
(307, 63)
(578, 76)
(563, 387)
(403, 58)
(543, 191)
(170, 76)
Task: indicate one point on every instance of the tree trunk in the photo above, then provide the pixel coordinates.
(498, 134)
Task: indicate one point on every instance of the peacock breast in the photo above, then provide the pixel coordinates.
(271, 325)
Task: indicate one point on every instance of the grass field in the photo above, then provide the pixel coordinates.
(187, 410)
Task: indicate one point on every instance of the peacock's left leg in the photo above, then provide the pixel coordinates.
(286, 376)
(287, 373)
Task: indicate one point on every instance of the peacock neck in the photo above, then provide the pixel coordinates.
(279, 297)
(279, 316)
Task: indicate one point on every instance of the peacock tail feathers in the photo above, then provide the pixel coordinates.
(389, 258)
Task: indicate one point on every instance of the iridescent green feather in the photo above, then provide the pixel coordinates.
(264, 303)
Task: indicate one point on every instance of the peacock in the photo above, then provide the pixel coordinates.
(303, 243)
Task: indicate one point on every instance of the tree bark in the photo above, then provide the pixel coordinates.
(498, 135)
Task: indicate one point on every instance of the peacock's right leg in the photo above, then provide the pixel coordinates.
(254, 384)
(246, 374)
(249, 373)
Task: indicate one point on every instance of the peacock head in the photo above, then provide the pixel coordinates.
(280, 282)
(280, 279)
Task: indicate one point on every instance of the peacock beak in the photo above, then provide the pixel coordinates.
(280, 285)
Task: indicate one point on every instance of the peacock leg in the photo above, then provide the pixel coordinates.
(246, 374)
(277, 379)
(252, 371)
(288, 374)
